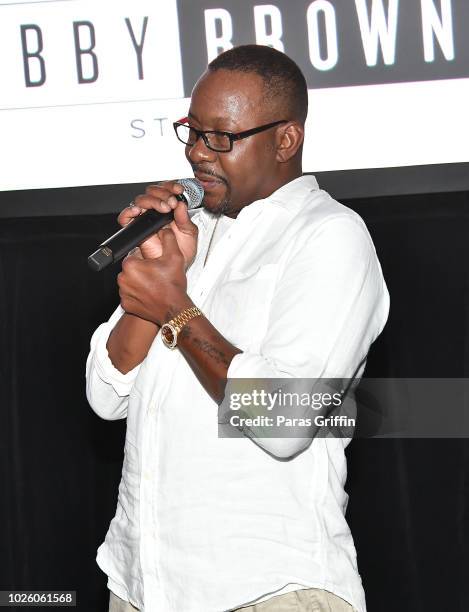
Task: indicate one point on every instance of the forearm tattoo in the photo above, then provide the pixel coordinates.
(214, 353)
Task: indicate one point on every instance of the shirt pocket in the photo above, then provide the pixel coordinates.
(241, 303)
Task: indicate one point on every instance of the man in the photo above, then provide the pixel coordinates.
(270, 279)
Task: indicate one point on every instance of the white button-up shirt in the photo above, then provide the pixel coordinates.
(209, 524)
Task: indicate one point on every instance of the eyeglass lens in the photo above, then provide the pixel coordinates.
(188, 135)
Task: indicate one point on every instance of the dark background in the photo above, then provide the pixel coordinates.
(60, 463)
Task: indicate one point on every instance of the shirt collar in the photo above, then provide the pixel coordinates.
(288, 196)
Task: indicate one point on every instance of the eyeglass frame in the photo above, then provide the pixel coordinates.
(232, 136)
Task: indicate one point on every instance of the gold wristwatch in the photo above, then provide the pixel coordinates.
(171, 329)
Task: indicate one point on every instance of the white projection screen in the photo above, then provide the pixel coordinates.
(89, 89)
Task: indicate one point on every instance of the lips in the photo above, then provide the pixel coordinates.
(207, 180)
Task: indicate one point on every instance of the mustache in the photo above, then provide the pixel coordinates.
(209, 172)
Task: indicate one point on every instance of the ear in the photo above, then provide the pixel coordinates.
(289, 138)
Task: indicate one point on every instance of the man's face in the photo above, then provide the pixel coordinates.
(232, 101)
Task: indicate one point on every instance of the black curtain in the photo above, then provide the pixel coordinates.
(61, 464)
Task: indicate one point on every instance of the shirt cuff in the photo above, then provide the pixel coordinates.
(121, 383)
(254, 366)
(250, 365)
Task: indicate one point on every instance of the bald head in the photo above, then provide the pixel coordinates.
(285, 89)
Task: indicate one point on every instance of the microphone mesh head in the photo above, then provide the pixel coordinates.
(193, 192)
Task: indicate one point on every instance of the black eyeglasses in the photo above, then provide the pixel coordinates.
(222, 142)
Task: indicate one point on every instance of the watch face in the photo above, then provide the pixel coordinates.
(168, 334)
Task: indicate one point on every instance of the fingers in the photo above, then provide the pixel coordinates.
(135, 253)
(161, 197)
(172, 187)
(183, 221)
(169, 243)
(128, 214)
(128, 264)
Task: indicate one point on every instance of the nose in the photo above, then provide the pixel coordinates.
(199, 152)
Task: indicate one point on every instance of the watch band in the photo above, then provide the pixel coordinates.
(171, 329)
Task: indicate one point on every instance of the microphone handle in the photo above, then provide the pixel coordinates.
(119, 244)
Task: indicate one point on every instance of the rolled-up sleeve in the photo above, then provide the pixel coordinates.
(330, 303)
(107, 389)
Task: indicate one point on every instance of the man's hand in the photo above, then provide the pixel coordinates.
(152, 292)
(162, 198)
(142, 286)
(155, 289)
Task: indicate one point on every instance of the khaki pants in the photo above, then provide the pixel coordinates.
(116, 604)
(305, 600)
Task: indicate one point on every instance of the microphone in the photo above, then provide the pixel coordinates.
(140, 228)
